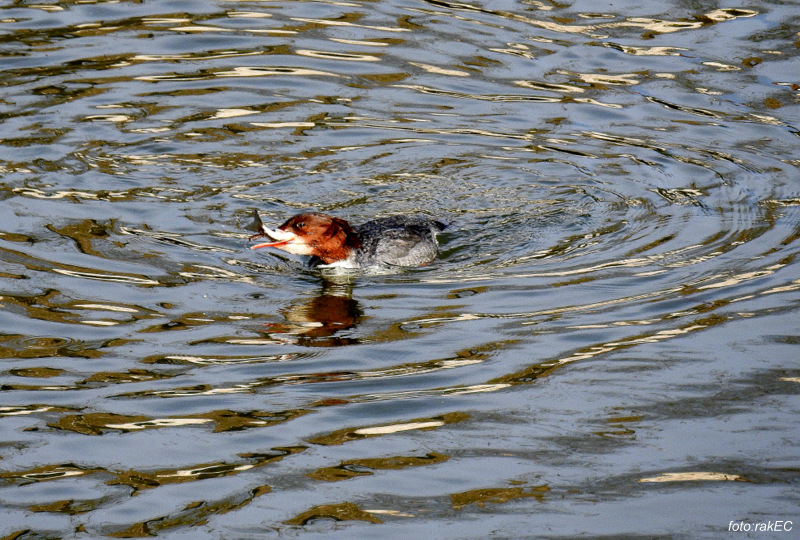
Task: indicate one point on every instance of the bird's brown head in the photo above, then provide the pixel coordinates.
(329, 238)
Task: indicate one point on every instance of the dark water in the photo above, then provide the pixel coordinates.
(608, 344)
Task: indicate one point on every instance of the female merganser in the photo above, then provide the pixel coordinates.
(331, 241)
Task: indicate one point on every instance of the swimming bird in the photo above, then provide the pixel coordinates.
(332, 242)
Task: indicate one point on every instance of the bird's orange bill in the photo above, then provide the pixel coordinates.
(271, 244)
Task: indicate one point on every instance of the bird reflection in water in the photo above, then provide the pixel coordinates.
(322, 321)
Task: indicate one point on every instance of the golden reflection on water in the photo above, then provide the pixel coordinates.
(364, 467)
(403, 370)
(353, 434)
(29, 409)
(47, 472)
(481, 497)
(650, 25)
(337, 512)
(223, 420)
(700, 476)
(194, 514)
(139, 480)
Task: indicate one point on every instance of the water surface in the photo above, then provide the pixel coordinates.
(606, 346)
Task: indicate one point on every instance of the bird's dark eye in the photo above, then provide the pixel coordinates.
(301, 225)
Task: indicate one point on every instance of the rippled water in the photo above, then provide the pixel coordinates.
(607, 345)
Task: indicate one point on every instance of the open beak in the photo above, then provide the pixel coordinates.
(279, 237)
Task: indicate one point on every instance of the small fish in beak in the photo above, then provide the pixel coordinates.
(278, 236)
(281, 238)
